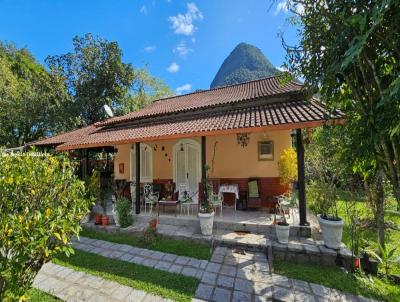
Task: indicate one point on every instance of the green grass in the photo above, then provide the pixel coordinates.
(159, 243)
(392, 237)
(335, 278)
(168, 285)
(37, 295)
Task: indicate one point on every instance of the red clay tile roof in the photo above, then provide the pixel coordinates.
(259, 105)
(267, 87)
(280, 115)
(65, 137)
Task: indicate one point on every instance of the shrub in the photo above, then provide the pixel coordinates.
(124, 208)
(41, 205)
(287, 165)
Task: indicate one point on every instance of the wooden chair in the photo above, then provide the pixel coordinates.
(253, 193)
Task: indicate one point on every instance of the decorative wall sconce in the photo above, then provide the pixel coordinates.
(243, 139)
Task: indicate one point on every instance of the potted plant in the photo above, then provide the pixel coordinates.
(330, 223)
(206, 211)
(282, 228)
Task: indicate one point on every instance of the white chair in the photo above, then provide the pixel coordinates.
(187, 198)
(216, 201)
(150, 198)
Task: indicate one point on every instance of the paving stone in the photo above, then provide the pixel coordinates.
(225, 281)
(217, 258)
(53, 285)
(244, 285)
(194, 262)
(221, 295)
(262, 288)
(239, 296)
(75, 276)
(169, 257)
(135, 296)
(149, 262)
(122, 292)
(116, 254)
(137, 260)
(189, 271)
(282, 294)
(126, 257)
(63, 273)
(199, 274)
(106, 244)
(163, 265)
(157, 255)
(281, 281)
(220, 250)
(320, 290)
(146, 253)
(306, 297)
(182, 260)
(209, 278)
(228, 270)
(213, 267)
(204, 291)
(175, 268)
(203, 264)
(301, 286)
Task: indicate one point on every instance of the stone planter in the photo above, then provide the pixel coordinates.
(331, 232)
(206, 223)
(282, 233)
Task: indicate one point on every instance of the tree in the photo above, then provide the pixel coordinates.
(41, 205)
(96, 75)
(349, 51)
(30, 98)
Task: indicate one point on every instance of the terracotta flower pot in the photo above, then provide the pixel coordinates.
(97, 218)
(104, 220)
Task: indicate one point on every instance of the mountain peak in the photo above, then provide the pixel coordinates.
(245, 63)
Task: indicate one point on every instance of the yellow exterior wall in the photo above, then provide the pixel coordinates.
(231, 160)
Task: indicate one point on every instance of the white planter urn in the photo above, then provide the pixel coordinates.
(331, 232)
(206, 223)
(115, 216)
(282, 233)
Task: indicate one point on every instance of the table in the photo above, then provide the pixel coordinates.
(164, 203)
(229, 188)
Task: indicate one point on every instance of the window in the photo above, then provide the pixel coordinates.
(146, 163)
(266, 150)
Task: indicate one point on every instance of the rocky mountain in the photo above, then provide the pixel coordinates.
(245, 63)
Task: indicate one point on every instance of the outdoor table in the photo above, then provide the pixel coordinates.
(230, 188)
(164, 203)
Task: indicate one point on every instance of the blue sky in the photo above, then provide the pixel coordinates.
(182, 42)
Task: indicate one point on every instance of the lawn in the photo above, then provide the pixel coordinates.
(158, 243)
(392, 237)
(334, 277)
(168, 285)
(36, 295)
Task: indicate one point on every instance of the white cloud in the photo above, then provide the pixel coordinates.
(143, 10)
(281, 68)
(183, 88)
(182, 49)
(183, 23)
(150, 48)
(282, 6)
(173, 67)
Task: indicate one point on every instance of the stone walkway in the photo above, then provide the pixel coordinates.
(238, 276)
(187, 266)
(72, 286)
(231, 275)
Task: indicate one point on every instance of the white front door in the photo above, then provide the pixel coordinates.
(187, 164)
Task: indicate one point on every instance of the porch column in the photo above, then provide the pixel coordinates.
(301, 178)
(203, 170)
(137, 168)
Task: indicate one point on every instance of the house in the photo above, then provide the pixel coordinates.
(237, 131)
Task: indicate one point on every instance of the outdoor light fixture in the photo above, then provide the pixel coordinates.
(243, 139)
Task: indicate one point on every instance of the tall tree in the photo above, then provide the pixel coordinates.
(96, 75)
(350, 51)
(30, 98)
